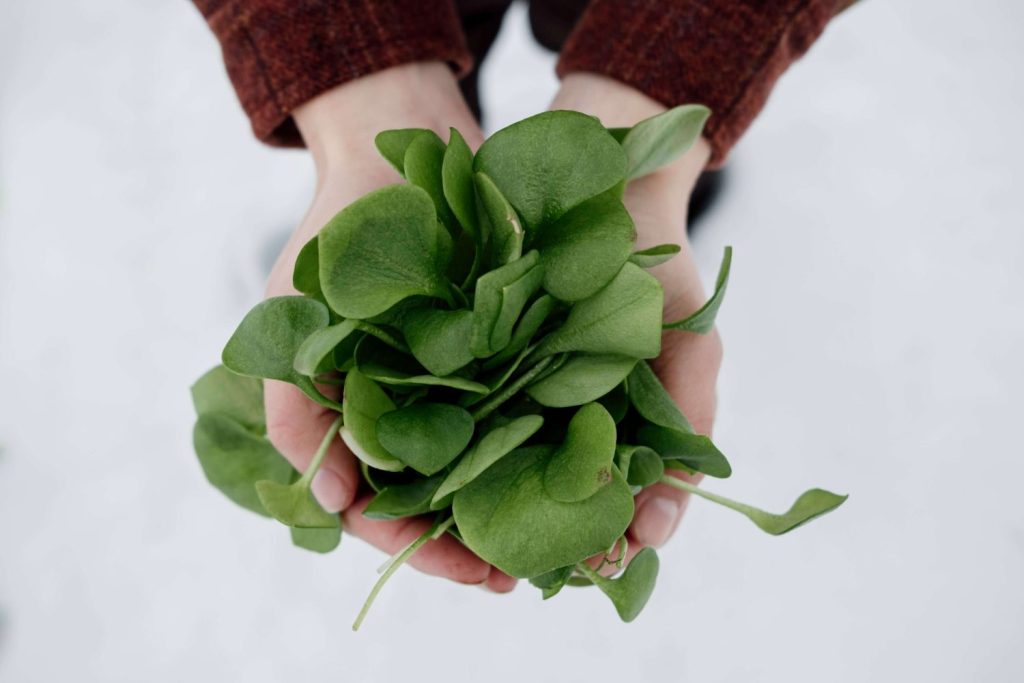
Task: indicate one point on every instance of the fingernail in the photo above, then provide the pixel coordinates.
(655, 521)
(329, 490)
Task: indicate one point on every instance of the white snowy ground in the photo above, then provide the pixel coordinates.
(874, 336)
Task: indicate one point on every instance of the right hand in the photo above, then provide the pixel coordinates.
(339, 127)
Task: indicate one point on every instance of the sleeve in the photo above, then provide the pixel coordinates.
(282, 53)
(726, 54)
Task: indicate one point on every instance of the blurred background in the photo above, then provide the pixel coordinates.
(874, 334)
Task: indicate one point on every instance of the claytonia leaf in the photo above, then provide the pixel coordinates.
(385, 365)
(440, 339)
(392, 145)
(640, 465)
(703, 319)
(457, 180)
(506, 231)
(654, 256)
(424, 158)
(306, 274)
(403, 500)
(364, 403)
(695, 451)
(237, 397)
(631, 591)
(650, 399)
(488, 306)
(317, 540)
(318, 348)
(661, 139)
(426, 436)
(582, 379)
(552, 582)
(582, 465)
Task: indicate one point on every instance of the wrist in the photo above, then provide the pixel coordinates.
(619, 105)
(340, 124)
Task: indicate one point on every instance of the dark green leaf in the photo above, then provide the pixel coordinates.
(526, 328)
(403, 500)
(380, 250)
(623, 318)
(549, 163)
(513, 299)
(306, 274)
(457, 177)
(364, 403)
(426, 436)
(619, 133)
(234, 459)
(440, 339)
(584, 249)
(488, 303)
(387, 366)
(695, 451)
(582, 379)
(654, 256)
(490, 448)
(640, 465)
(631, 591)
(661, 139)
(318, 348)
(552, 582)
(506, 233)
(703, 319)
(424, 158)
(392, 145)
(650, 399)
(238, 397)
(616, 402)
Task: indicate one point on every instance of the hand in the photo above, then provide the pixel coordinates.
(339, 127)
(688, 365)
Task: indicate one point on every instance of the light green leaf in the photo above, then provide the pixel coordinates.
(381, 249)
(317, 540)
(233, 459)
(440, 339)
(582, 465)
(294, 505)
(506, 516)
(582, 379)
(505, 233)
(364, 403)
(703, 319)
(392, 145)
(403, 500)
(623, 318)
(318, 348)
(654, 256)
(631, 591)
(584, 249)
(552, 582)
(810, 504)
(695, 451)
(457, 178)
(490, 448)
(266, 341)
(426, 436)
(661, 139)
(424, 158)
(549, 163)
(238, 397)
(306, 274)
(639, 465)
(650, 399)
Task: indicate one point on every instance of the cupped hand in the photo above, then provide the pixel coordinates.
(689, 363)
(339, 127)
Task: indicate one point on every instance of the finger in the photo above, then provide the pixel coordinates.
(296, 426)
(500, 582)
(444, 556)
(688, 368)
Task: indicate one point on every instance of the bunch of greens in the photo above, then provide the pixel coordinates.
(490, 323)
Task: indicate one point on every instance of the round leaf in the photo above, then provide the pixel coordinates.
(582, 465)
(582, 379)
(364, 403)
(426, 436)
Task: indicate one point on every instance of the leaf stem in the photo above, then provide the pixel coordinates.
(397, 560)
(321, 453)
(511, 390)
(382, 334)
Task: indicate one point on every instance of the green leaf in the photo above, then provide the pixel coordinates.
(238, 397)
(639, 465)
(317, 540)
(233, 459)
(403, 500)
(440, 339)
(703, 319)
(616, 402)
(488, 449)
(552, 582)
(306, 274)
(631, 591)
(506, 232)
(387, 366)
(364, 403)
(582, 379)
(582, 465)
(661, 139)
(810, 504)
(696, 451)
(619, 133)
(381, 249)
(392, 145)
(650, 399)
(529, 324)
(585, 248)
(424, 158)
(623, 318)
(513, 300)
(549, 163)
(294, 505)
(487, 306)
(426, 436)
(457, 178)
(506, 516)
(318, 348)
(654, 256)
(266, 341)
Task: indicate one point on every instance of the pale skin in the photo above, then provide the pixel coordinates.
(338, 127)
